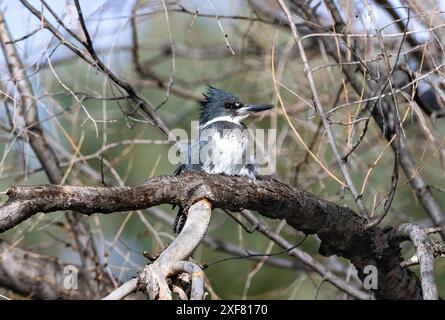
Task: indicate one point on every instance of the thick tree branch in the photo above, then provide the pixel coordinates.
(92, 58)
(340, 230)
(322, 113)
(173, 261)
(307, 259)
(124, 290)
(385, 122)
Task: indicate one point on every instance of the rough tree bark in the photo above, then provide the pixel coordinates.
(341, 230)
(36, 275)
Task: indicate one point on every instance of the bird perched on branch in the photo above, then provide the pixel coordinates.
(222, 146)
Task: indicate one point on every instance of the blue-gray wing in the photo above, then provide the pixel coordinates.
(187, 165)
(189, 158)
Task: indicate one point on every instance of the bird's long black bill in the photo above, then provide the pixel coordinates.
(251, 108)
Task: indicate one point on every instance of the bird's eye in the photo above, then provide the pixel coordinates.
(229, 105)
(232, 105)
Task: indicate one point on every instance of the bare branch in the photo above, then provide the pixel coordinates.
(384, 122)
(426, 251)
(307, 259)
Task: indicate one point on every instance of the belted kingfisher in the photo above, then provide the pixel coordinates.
(223, 144)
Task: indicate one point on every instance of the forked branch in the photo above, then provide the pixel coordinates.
(173, 261)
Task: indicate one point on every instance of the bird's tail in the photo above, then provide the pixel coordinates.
(179, 169)
(181, 217)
